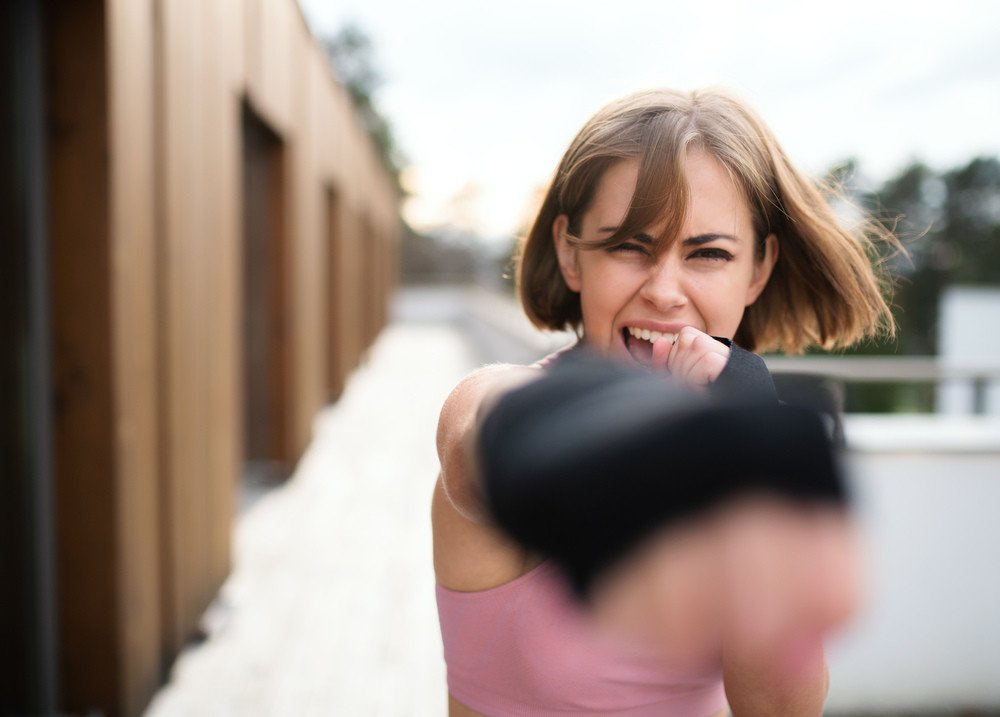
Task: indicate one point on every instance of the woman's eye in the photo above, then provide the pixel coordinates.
(627, 247)
(713, 253)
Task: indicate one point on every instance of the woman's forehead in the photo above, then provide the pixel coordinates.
(701, 179)
(699, 172)
(615, 191)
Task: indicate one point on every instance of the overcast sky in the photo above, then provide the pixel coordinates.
(485, 96)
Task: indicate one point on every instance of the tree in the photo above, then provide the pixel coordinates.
(913, 203)
(352, 58)
(949, 223)
(972, 228)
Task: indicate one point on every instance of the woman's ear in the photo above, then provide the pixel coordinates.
(567, 254)
(762, 269)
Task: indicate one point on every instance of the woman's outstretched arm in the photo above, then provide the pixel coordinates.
(736, 507)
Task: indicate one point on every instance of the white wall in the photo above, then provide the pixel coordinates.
(968, 330)
(928, 639)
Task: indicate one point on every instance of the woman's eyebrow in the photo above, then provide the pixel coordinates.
(709, 237)
(697, 240)
(641, 236)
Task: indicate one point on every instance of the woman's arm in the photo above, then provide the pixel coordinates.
(794, 577)
(726, 520)
(457, 431)
(593, 458)
(470, 553)
(791, 577)
(752, 690)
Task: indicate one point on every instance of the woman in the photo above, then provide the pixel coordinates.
(673, 221)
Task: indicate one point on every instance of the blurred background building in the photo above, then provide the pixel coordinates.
(199, 239)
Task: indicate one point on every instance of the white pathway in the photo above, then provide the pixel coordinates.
(330, 607)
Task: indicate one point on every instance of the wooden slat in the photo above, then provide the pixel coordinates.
(88, 601)
(222, 124)
(193, 314)
(336, 363)
(133, 296)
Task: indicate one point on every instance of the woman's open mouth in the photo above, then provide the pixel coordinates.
(639, 342)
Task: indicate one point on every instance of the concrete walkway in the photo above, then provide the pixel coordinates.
(330, 607)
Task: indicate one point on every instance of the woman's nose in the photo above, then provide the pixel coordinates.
(663, 286)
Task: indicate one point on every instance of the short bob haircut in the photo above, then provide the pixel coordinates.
(826, 288)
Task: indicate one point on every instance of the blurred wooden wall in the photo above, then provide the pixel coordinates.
(164, 116)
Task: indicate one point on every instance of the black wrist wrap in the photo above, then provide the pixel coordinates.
(585, 462)
(745, 377)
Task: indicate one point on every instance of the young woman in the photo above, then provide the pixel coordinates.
(675, 232)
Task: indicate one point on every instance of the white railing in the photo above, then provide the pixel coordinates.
(894, 369)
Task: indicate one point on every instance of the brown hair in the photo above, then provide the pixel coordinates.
(826, 288)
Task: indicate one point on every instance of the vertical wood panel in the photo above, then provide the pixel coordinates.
(372, 268)
(336, 359)
(205, 312)
(351, 299)
(225, 460)
(147, 230)
(266, 312)
(130, 29)
(269, 43)
(187, 247)
(301, 240)
(175, 460)
(78, 191)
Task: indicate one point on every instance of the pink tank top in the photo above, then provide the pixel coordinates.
(527, 649)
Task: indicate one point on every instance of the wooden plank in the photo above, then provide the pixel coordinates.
(304, 261)
(189, 316)
(268, 343)
(336, 357)
(269, 44)
(132, 289)
(88, 600)
(174, 460)
(351, 297)
(224, 452)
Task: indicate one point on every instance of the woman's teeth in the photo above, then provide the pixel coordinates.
(651, 336)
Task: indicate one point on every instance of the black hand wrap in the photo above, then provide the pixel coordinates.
(585, 462)
(745, 377)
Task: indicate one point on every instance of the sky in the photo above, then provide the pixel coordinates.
(484, 97)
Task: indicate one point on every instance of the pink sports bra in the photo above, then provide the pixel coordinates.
(527, 649)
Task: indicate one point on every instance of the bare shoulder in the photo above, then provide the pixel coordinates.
(464, 402)
(457, 424)
(470, 553)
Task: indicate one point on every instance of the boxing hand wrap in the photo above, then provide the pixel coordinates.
(594, 456)
(745, 376)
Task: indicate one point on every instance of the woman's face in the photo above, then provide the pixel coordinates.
(704, 278)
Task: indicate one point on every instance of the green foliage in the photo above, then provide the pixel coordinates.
(973, 220)
(892, 397)
(949, 222)
(352, 57)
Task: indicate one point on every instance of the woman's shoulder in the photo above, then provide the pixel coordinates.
(496, 377)
(460, 414)
(555, 356)
(466, 398)
(470, 553)
(487, 374)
